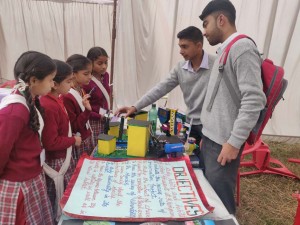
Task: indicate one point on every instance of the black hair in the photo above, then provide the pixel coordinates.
(62, 72)
(222, 6)
(38, 65)
(95, 52)
(78, 62)
(191, 33)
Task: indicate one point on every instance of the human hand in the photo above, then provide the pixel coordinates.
(227, 154)
(86, 102)
(77, 141)
(127, 110)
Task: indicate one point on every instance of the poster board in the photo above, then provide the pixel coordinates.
(134, 190)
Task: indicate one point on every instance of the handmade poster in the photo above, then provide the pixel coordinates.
(194, 222)
(134, 190)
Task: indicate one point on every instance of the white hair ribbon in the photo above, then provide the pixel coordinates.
(21, 85)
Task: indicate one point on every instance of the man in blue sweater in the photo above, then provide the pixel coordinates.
(191, 75)
(226, 127)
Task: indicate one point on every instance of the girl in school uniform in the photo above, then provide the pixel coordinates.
(78, 105)
(23, 194)
(99, 88)
(57, 137)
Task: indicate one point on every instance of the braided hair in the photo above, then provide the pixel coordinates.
(33, 64)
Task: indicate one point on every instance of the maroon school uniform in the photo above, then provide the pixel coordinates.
(56, 141)
(55, 133)
(97, 101)
(20, 169)
(97, 98)
(78, 120)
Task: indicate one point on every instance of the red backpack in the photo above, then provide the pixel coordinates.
(274, 85)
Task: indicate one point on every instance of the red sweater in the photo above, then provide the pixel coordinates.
(20, 146)
(97, 98)
(55, 133)
(78, 118)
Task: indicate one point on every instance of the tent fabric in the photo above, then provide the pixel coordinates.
(83, 1)
(57, 29)
(146, 44)
(94, 1)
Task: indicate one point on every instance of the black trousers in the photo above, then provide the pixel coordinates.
(221, 178)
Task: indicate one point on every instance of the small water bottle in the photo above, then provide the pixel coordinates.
(152, 117)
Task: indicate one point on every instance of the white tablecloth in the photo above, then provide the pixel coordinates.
(220, 212)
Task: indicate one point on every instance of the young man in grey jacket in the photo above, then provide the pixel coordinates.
(226, 126)
(191, 75)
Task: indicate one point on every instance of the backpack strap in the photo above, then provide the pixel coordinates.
(224, 56)
(222, 63)
(232, 92)
(214, 93)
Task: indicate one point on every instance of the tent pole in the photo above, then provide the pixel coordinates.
(113, 55)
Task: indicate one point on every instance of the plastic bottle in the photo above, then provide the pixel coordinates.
(152, 117)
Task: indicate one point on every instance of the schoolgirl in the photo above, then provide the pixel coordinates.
(23, 194)
(78, 105)
(99, 89)
(57, 137)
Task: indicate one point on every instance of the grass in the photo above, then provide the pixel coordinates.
(266, 199)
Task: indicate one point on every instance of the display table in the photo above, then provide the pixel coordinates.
(219, 213)
(212, 200)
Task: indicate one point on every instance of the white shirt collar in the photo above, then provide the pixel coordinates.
(227, 41)
(204, 64)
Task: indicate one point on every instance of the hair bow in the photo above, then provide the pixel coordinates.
(21, 85)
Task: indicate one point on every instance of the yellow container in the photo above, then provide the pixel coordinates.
(106, 144)
(141, 115)
(138, 137)
(114, 128)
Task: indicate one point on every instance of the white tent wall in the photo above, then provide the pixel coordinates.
(87, 25)
(271, 23)
(285, 50)
(143, 47)
(56, 28)
(146, 44)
